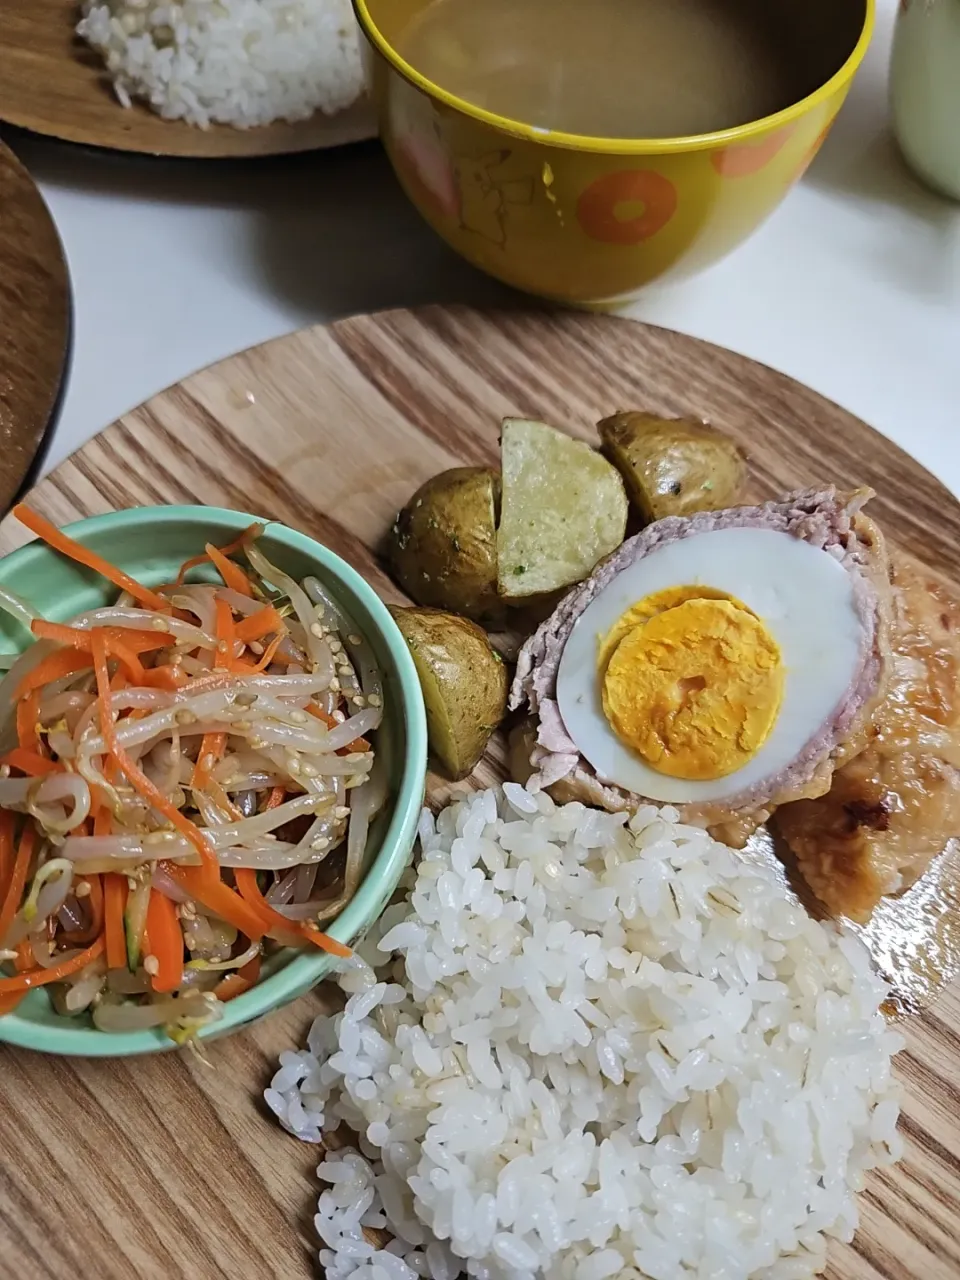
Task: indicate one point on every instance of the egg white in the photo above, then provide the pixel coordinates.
(806, 600)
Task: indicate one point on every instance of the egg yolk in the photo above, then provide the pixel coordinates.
(692, 681)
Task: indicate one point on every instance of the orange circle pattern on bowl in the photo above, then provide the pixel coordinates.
(600, 206)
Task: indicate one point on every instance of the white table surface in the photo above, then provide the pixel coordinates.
(853, 286)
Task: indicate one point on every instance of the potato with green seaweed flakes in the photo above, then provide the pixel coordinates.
(464, 683)
(673, 466)
(443, 545)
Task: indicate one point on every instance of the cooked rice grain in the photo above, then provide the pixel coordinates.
(234, 62)
(609, 1050)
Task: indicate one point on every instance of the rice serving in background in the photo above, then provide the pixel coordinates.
(610, 1049)
(236, 62)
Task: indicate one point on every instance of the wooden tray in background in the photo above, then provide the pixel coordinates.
(34, 323)
(161, 1169)
(53, 83)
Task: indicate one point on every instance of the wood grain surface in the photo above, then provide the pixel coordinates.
(162, 1169)
(34, 322)
(55, 84)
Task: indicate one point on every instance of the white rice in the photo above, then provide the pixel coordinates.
(609, 1050)
(236, 62)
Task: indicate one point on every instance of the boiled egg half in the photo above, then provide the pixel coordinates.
(707, 666)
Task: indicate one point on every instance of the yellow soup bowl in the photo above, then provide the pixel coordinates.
(590, 221)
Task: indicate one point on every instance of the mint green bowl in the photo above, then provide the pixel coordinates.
(151, 543)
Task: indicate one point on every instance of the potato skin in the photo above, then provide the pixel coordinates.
(443, 545)
(673, 466)
(464, 682)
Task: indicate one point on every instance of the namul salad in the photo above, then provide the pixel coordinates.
(187, 781)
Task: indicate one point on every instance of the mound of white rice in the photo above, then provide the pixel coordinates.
(236, 62)
(609, 1050)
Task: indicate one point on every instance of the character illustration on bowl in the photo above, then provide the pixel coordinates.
(472, 190)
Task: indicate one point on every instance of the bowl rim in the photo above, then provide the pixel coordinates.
(623, 146)
(302, 971)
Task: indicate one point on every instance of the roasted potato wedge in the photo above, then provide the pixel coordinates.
(443, 545)
(563, 508)
(673, 466)
(464, 683)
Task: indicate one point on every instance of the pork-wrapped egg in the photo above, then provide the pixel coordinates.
(725, 663)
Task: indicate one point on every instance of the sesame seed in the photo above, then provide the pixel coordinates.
(316, 630)
(131, 883)
(4, 771)
(297, 717)
(242, 726)
(359, 700)
(188, 911)
(191, 942)
(319, 844)
(335, 644)
(334, 685)
(354, 640)
(341, 811)
(152, 965)
(338, 717)
(82, 890)
(222, 646)
(294, 766)
(185, 717)
(345, 670)
(375, 700)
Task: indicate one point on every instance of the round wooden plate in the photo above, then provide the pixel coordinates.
(162, 1167)
(53, 83)
(34, 323)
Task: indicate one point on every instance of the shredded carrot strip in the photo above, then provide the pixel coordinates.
(40, 977)
(231, 573)
(54, 667)
(246, 879)
(24, 958)
(28, 709)
(275, 797)
(358, 744)
(31, 763)
(103, 821)
(235, 984)
(133, 640)
(212, 747)
(251, 669)
(66, 545)
(114, 904)
(218, 898)
(18, 879)
(257, 625)
(9, 1003)
(135, 776)
(166, 942)
(227, 550)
